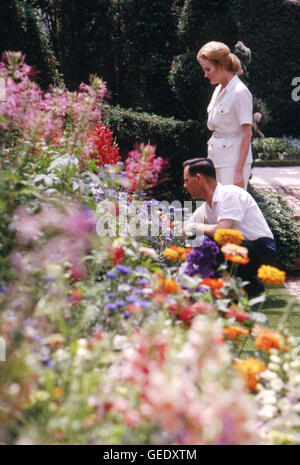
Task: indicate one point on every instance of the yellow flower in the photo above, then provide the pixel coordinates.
(225, 236)
(250, 368)
(170, 254)
(271, 275)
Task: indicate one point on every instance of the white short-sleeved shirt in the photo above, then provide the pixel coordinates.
(227, 111)
(231, 202)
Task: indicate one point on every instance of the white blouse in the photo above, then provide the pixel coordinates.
(227, 111)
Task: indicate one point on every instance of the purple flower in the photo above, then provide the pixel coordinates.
(127, 314)
(203, 260)
(120, 303)
(111, 306)
(140, 269)
(143, 282)
(123, 269)
(111, 274)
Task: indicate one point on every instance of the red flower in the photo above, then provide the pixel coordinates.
(238, 313)
(118, 255)
(106, 151)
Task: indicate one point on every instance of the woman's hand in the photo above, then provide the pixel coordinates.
(238, 179)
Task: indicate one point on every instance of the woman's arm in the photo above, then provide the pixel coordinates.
(245, 144)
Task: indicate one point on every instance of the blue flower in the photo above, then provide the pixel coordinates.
(123, 269)
(120, 303)
(111, 295)
(143, 282)
(127, 314)
(111, 274)
(111, 306)
(131, 298)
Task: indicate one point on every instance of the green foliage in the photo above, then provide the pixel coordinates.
(175, 140)
(280, 218)
(271, 30)
(20, 30)
(86, 40)
(275, 151)
(199, 23)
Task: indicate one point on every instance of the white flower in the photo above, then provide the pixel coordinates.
(149, 252)
(276, 384)
(274, 358)
(61, 355)
(268, 375)
(274, 366)
(82, 343)
(124, 288)
(268, 412)
(118, 242)
(14, 389)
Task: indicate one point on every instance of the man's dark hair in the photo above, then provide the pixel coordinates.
(202, 166)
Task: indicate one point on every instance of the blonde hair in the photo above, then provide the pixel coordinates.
(220, 55)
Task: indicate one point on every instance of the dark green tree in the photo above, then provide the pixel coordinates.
(86, 40)
(147, 31)
(198, 23)
(20, 30)
(271, 30)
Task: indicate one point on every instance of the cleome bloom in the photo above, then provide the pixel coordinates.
(250, 369)
(271, 275)
(225, 236)
(233, 332)
(266, 339)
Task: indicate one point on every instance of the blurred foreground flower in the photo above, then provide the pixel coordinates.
(266, 339)
(250, 369)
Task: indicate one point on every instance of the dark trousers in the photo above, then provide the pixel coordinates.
(262, 251)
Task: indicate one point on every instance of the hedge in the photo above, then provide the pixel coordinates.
(176, 140)
(280, 219)
(275, 152)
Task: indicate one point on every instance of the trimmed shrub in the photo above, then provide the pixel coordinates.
(175, 140)
(280, 219)
(274, 151)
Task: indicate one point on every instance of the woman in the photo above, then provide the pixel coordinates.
(229, 115)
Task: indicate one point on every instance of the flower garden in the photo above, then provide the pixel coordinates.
(109, 334)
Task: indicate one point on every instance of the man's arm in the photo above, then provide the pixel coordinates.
(209, 229)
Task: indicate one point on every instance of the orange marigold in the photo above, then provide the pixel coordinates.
(266, 339)
(170, 253)
(271, 275)
(237, 259)
(171, 286)
(225, 236)
(213, 283)
(174, 252)
(233, 331)
(250, 369)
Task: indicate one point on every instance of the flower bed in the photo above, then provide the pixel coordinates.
(106, 339)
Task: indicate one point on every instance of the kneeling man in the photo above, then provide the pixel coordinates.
(230, 207)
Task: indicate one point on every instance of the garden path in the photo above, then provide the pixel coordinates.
(286, 181)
